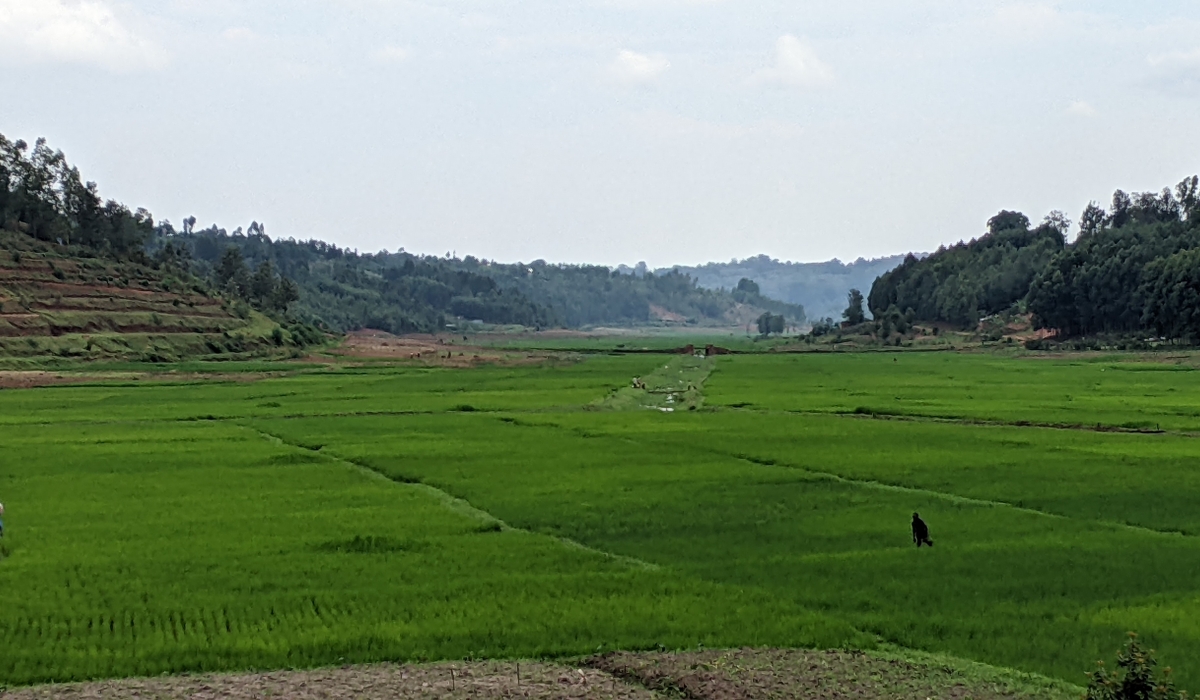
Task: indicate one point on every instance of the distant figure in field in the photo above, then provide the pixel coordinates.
(1, 520)
(920, 531)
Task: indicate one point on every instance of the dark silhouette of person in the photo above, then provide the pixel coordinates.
(920, 531)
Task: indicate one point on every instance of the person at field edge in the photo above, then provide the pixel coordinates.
(920, 531)
(1, 520)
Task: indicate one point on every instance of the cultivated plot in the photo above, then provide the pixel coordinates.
(1107, 391)
(402, 513)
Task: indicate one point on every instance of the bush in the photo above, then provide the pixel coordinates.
(1134, 679)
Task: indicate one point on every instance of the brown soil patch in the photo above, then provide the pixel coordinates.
(702, 675)
(760, 673)
(434, 350)
(661, 313)
(469, 680)
(29, 380)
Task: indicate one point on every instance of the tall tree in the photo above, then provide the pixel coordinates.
(854, 313)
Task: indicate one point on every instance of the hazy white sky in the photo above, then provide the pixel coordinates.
(671, 131)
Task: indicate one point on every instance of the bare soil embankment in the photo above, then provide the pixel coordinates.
(702, 675)
(443, 350)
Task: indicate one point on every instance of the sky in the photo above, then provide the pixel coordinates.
(609, 131)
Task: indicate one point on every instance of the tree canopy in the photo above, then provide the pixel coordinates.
(1128, 270)
(343, 290)
(963, 283)
(44, 196)
(1133, 268)
(854, 313)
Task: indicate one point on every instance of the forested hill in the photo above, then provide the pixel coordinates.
(593, 294)
(343, 290)
(820, 287)
(961, 284)
(76, 279)
(44, 198)
(1134, 268)
(400, 292)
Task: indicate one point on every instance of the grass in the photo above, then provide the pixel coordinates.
(359, 514)
(332, 391)
(150, 548)
(1103, 390)
(1005, 585)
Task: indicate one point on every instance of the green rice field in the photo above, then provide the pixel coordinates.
(304, 515)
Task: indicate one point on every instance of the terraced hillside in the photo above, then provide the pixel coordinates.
(69, 302)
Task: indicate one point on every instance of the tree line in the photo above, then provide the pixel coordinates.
(341, 289)
(820, 287)
(583, 295)
(1133, 268)
(401, 292)
(44, 196)
(965, 282)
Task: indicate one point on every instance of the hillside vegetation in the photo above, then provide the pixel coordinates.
(76, 279)
(821, 288)
(1133, 269)
(963, 283)
(70, 302)
(593, 294)
(46, 199)
(400, 292)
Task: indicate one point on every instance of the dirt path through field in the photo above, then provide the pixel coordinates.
(676, 386)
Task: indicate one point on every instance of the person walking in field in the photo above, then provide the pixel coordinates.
(920, 531)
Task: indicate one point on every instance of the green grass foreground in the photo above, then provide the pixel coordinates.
(403, 513)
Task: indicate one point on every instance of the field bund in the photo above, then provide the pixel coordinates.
(368, 513)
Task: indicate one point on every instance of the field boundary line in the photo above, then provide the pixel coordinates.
(883, 486)
(977, 422)
(953, 497)
(454, 503)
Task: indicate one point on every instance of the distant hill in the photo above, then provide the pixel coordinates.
(345, 290)
(83, 265)
(583, 295)
(820, 287)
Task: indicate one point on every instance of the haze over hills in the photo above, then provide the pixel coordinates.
(820, 287)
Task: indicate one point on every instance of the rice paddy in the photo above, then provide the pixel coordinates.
(370, 513)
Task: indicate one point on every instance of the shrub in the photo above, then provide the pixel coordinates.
(1134, 679)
